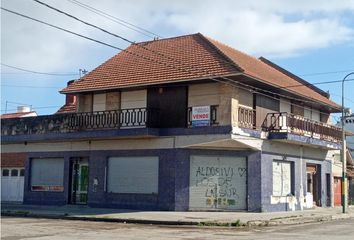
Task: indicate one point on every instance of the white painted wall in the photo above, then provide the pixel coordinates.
(203, 94)
(133, 99)
(99, 102)
(285, 105)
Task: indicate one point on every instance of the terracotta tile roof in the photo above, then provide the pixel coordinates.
(186, 55)
(67, 108)
(18, 115)
(183, 58)
(256, 68)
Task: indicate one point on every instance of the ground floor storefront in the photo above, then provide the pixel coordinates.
(178, 180)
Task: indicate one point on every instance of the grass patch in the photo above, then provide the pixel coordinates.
(236, 223)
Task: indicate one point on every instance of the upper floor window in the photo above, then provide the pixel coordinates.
(99, 102)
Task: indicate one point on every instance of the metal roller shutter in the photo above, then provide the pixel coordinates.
(133, 175)
(47, 172)
(218, 183)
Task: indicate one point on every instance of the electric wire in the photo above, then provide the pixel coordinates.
(211, 78)
(36, 72)
(60, 28)
(132, 42)
(116, 20)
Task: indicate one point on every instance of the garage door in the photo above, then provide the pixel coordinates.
(12, 180)
(218, 183)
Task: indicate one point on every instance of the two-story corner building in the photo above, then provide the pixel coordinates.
(184, 123)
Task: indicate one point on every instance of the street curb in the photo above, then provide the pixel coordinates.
(252, 223)
(98, 219)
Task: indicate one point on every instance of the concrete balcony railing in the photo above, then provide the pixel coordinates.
(73, 122)
(286, 122)
(246, 117)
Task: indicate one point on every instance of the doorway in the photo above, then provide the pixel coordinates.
(313, 182)
(79, 175)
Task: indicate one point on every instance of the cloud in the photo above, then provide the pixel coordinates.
(272, 28)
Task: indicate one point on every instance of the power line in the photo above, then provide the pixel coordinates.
(231, 81)
(25, 86)
(324, 73)
(82, 21)
(129, 41)
(97, 41)
(317, 83)
(62, 29)
(116, 20)
(43, 73)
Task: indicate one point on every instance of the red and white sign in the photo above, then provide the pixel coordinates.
(201, 116)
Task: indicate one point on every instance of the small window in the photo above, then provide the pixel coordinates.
(14, 173)
(5, 172)
(22, 172)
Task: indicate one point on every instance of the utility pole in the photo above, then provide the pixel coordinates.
(343, 153)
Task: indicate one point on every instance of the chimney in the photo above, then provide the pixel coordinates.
(23, 109)
(70, 99)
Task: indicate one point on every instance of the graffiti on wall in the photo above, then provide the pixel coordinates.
(219, 184)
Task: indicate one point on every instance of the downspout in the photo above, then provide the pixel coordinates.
(301, 198)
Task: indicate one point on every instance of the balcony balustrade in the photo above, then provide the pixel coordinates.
(72, 122)
(286, 122)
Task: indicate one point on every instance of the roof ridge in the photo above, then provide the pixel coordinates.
(293, 76)
(168, 38)
(209, 41)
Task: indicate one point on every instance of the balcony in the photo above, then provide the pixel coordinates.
(74, 122)
(289, 123)
(246, 117)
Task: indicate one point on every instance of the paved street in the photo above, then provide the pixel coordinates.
(25, 228)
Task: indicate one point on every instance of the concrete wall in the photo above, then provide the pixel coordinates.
(271, 203)
(173, 179)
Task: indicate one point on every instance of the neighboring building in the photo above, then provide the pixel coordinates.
(184, 123)
(349, 126)
(13, 164)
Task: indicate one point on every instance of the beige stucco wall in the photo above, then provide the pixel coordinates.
(117, 144)
(99, 102)
(227, 97)
(285, 105)
(113, 101)
(133, 99)
(292, 149)
(84, 103)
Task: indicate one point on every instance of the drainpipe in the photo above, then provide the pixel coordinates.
(301, 179)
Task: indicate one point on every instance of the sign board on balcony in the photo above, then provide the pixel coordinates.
(200, 116)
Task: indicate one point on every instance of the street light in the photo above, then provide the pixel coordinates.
(343, 153)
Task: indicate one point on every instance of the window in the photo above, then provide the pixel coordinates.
(5, 172)
(99, 102)
(282, 178)
(47, 174)
(22, 172)
(14, 172)
(133, 175)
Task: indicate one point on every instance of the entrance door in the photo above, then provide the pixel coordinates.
(218, 182)
(337, 189)
(12, 182)
(79, 180)
(171, 103)
(313, 184)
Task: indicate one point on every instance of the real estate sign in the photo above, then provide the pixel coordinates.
(200, 116)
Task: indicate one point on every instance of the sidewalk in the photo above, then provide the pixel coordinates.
(176, 218)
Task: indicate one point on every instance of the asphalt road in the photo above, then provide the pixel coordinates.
(29, 228)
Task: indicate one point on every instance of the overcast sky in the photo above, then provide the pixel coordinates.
(304, 37)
